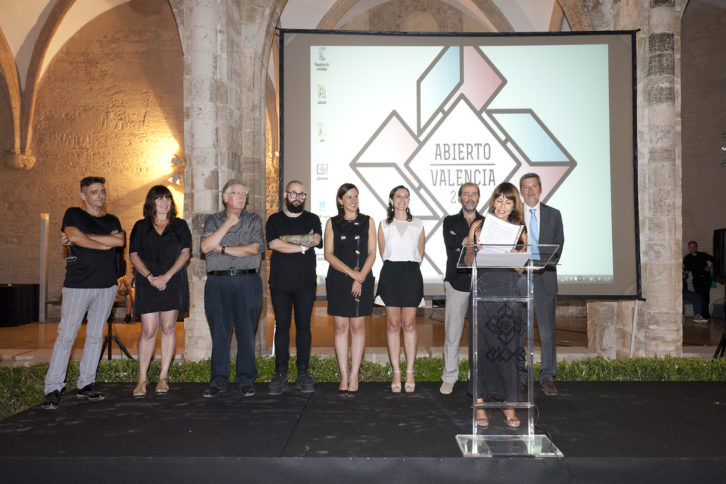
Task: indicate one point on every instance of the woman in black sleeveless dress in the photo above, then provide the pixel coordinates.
(350, 249)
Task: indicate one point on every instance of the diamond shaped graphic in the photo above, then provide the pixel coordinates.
(482, 81)
(462, 149)
(542, 152)
(455, 139)
(437, 84)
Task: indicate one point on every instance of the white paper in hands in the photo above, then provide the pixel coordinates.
(502, 235)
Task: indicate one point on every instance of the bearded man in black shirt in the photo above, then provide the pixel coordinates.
(90, 285)
(292, 234)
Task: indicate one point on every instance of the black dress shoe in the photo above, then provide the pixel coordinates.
(278, 384)
(211, 392)
(89, 393)
(305, 382)
(52, 400)
(247, 391)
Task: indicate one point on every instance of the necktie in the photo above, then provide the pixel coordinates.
(533, 233)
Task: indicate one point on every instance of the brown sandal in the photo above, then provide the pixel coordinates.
(162, 387)
(513, 422)
(482, 422)
(140, 390)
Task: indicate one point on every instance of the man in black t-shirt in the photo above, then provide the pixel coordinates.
(699, 265)
(90, 286)
(292, 235)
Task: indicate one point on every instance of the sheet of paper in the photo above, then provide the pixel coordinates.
(500, 233)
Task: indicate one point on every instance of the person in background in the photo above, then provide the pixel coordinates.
(350, 249)
(401, 243)
(699, 265)
(125, 295)
(159, 249)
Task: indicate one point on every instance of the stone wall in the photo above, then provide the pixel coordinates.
(704, 121)
(109, 104)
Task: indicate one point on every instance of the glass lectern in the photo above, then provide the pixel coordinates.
(501, 350)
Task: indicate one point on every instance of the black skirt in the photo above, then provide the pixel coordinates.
(401, 284)
(340, 300)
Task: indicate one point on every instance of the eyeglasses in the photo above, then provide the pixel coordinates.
(296, 195)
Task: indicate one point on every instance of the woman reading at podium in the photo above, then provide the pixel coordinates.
(500, 325)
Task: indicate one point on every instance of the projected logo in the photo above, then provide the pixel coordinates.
(458, 140)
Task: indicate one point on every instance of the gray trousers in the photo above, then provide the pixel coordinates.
(457, 304)
(545, 304)
(98, 303)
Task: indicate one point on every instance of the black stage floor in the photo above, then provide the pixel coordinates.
(628, 432)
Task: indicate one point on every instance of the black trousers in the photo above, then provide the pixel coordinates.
(703, 288)
(283, 302)
(233, 302)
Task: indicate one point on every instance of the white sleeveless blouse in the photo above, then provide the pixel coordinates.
(401, 239)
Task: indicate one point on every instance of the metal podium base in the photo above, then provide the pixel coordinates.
(507, 445)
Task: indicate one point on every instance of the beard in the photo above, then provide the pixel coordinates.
(292, 208)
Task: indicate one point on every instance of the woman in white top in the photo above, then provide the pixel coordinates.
(401, 242)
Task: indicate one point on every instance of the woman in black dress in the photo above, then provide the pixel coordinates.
(350, 249)
(159, 250)
(500, 325)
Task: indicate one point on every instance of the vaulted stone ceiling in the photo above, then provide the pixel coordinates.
(33, 31)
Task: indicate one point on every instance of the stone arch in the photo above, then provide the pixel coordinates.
(95, 113)
(22, 101)
(487, 8)
(10, 85)
(575, 14)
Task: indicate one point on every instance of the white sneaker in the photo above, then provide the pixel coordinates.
(446, 388)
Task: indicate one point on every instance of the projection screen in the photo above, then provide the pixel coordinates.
(431, 112)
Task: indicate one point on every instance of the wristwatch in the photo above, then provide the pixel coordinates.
(224, 248)
(303, 249)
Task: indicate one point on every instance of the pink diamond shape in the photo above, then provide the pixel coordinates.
(481, 79)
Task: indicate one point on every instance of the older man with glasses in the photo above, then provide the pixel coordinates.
(233, 243)
(292, 234)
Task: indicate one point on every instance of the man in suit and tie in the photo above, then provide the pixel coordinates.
(544, 226)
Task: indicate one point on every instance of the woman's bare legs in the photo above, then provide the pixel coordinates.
(340, 332)
(410, 337)
(147, 340)
(481, 415)
(168, 342)
(393, 340)
(357, 347)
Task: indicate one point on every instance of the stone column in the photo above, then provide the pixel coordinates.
(610, 324)
(258, 20)
(201, 190)
(227, 46)
(660, 167)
